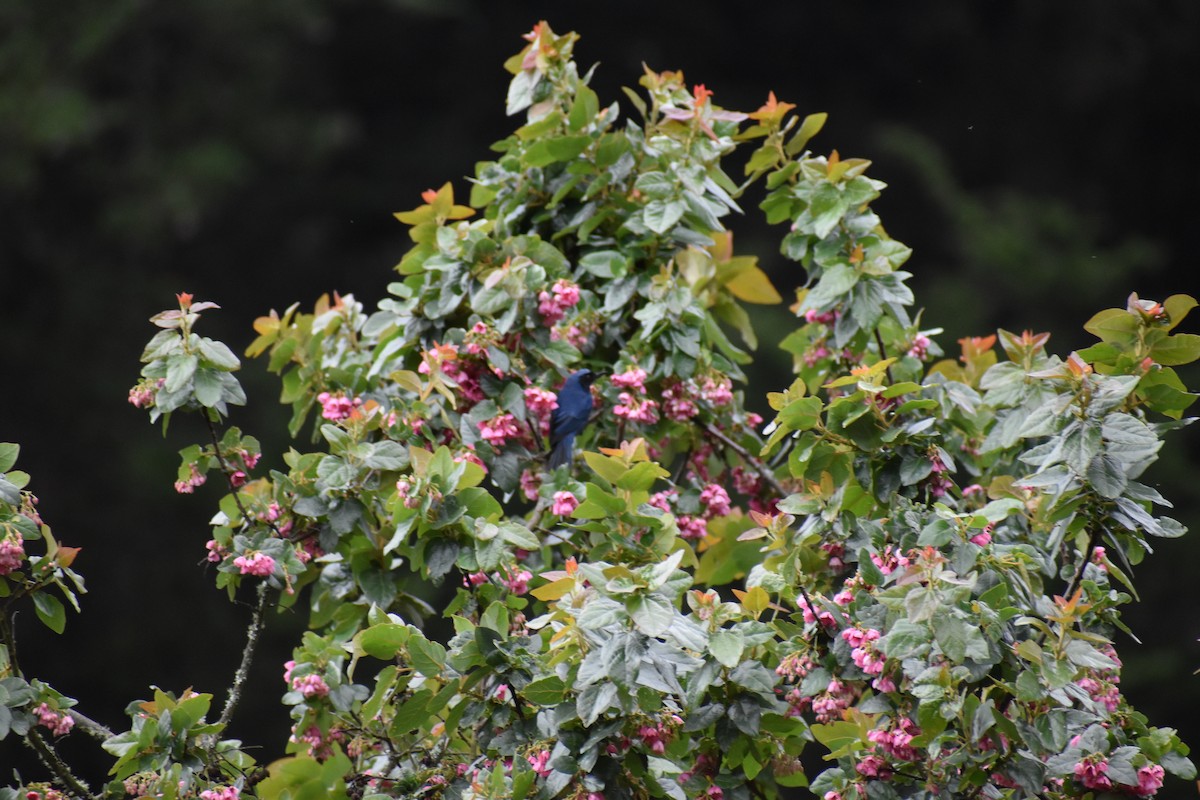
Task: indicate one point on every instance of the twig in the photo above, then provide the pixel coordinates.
(239, 677)
(50, 758)
(228, 470)
(89, 726)
(758, 465)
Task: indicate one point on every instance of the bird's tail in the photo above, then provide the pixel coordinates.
(561, 454)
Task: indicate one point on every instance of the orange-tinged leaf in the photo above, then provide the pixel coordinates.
(267, 324)
(554, 590)
(65, 556)
(752, 285)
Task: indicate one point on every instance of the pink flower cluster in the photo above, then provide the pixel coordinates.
(541, 404)
(337, 406)
(897, 741)
(499, 429)
(920, 347)
(255, 563)
(717, 392)
(658, 736)
(829, 705)
(517, 581)
(873, 766)
(12, 551)
(531, 482)
(820, 317)
(715, 500)
(564, 504)
(221, 793)
(812, 615)
(691, 527)
(319, 746)
(553, 304)
(642, 410)
(1092, 773)
(637, 408)
(888, 561)
(865, 656)
(540, 761)
(677, 403)
(59, 722)
(189, 484)
(216, 553)
(142, 395)
(311, 685)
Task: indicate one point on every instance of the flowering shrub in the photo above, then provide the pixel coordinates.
(915, 570)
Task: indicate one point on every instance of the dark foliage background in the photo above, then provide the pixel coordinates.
(1039, 156)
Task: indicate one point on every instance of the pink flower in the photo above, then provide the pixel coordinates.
(540, 761)
(564, 504)
(1091, 773)
(518, 582)
(530, 483)
(692, 527)
(12, 551)
(983, 538)
(237, 479)
(256, 563)
(632, 378)
(642, 410)
(716, 500)
(662, 500)
(1150, 780)
(501, 693)
(499, 429)
(59, 722)
(677, 403)
(311, 685)
(819, 317)
(141, 396)
(873, 766)
(288, 666)
(552, 305)
(404, 488)
(189, 484)
(337, 406)
(920, 347)
(717, 392)
(216, 553)
(540, 402)
(221, 793)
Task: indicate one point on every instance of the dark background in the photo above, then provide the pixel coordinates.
(1041, 160)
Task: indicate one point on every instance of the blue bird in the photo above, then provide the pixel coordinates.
(571, 416)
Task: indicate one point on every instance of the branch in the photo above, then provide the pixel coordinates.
(50, 758)
(239, 677)
(758, 465)
(89, 726)
(225, 468)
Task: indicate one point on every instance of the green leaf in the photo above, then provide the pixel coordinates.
(1182, 348)
(1113, 325)
(808, 129)
(429, 658)
(548, 691)
(660, 215)
(651, 613)
(727, 646)
(8, 455)
(385, 640)
(50, 611)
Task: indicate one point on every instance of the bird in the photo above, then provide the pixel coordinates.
(570, 416)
